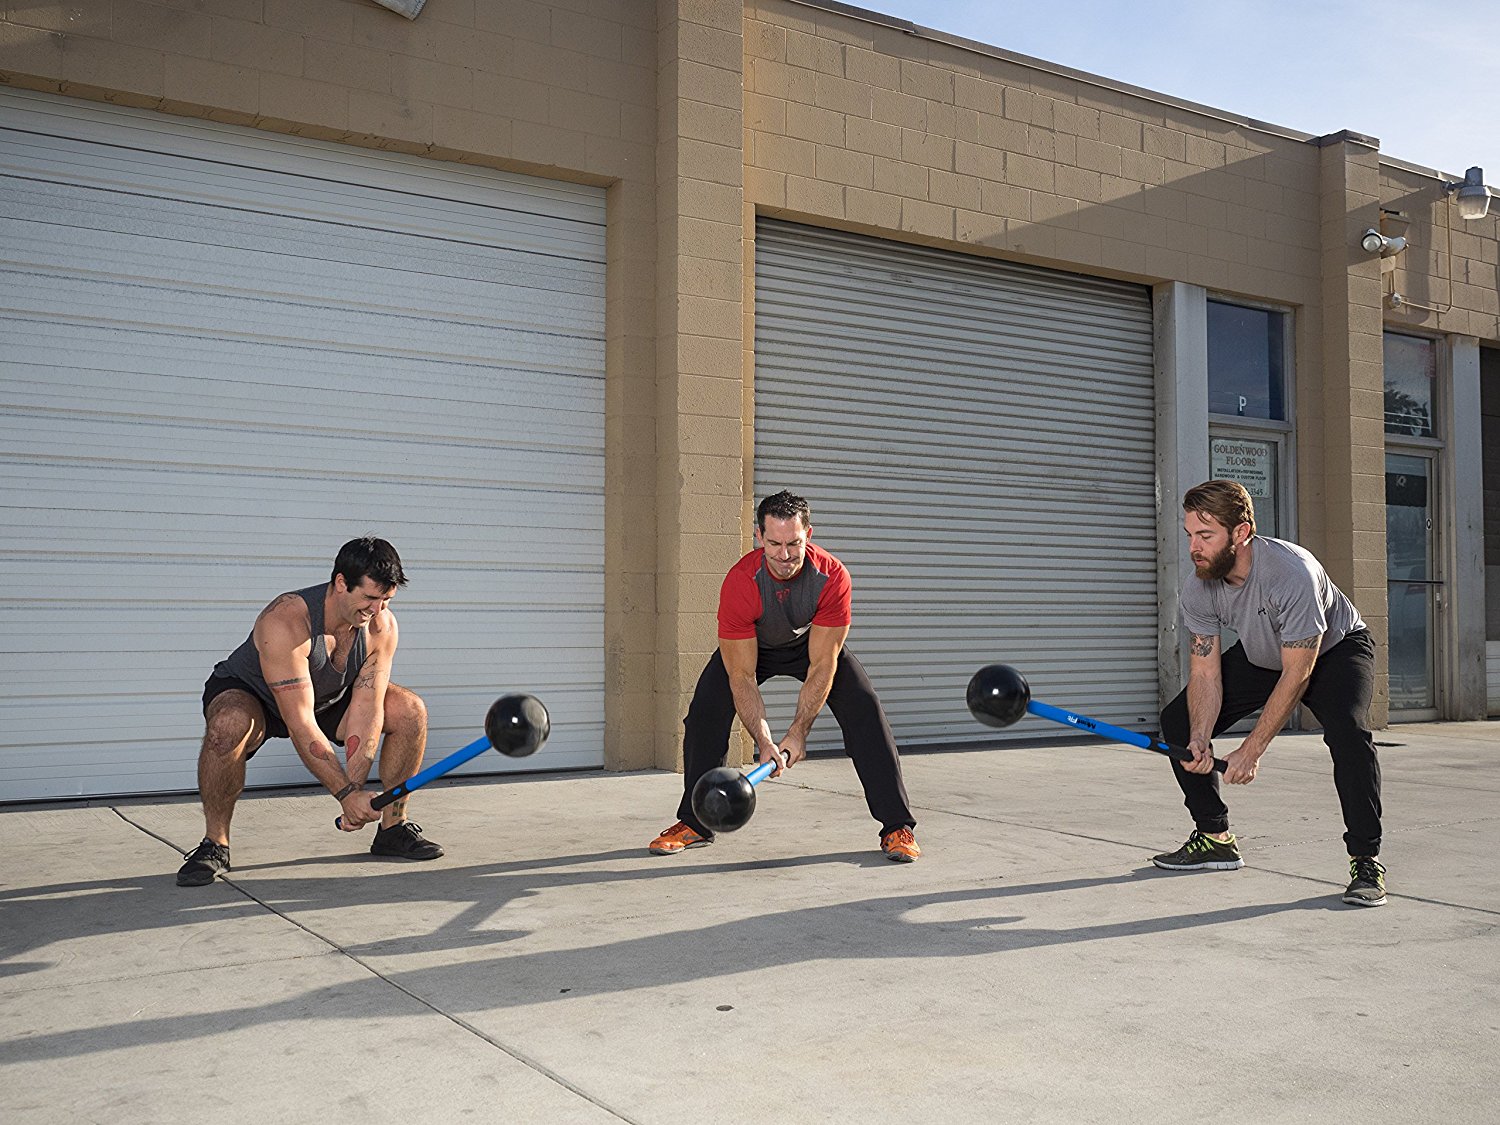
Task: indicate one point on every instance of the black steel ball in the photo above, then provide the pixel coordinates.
(723, 799)
(998, 695)
(517, 725)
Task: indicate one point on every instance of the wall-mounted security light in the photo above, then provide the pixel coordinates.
(1385, 245)
(1473, 196)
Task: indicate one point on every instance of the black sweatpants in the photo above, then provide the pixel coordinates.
(1339, 693)
(867, 736)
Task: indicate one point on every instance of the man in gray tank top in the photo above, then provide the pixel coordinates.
(316, 669)
(1300, 640)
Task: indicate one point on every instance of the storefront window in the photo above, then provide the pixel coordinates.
(1410, 375)
(1246, 361)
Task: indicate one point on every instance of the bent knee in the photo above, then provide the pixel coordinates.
(232, 732)
(404, 709)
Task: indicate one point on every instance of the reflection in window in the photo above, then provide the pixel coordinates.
(1410, 375)
(1246, 361)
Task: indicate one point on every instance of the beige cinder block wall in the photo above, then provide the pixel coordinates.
(1351, 427)
(700, 465)
(569, 92)
(869, 125)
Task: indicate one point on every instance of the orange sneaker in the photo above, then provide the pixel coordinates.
(900, 845)
(677, 838)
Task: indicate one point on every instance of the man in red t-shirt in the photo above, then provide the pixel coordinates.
(784, 611)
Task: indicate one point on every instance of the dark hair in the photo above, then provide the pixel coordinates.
(1225, 501)
(783, 506)
(368, 557)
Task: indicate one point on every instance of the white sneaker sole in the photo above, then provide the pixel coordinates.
(1206, 865)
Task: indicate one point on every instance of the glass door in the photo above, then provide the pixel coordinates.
(1414, 588)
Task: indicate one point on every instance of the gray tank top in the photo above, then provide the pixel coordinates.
(329, 683)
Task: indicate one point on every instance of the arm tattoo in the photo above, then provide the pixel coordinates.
(279, 600)
(1310, 642)
(319, 750)
(289, 685)
(366, 677)
(1202, 644)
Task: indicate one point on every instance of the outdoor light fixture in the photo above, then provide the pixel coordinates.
(1374, 242)
(1473, 196)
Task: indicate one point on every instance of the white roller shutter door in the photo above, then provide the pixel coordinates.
(225, 352)
(977, 442)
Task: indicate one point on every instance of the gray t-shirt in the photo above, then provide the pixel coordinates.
(1287, 597)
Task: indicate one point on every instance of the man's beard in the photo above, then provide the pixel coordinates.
(1218, 566)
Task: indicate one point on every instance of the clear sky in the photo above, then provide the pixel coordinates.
(1422, 76)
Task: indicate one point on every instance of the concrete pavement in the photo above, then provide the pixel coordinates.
(1032, 967)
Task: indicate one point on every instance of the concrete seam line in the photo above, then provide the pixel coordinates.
(540, 1068)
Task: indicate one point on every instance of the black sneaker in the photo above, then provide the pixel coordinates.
(1367, 887)
(404, 841)
(205, 863)
(1201, 853)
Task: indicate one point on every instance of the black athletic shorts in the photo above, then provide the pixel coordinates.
(328, 719)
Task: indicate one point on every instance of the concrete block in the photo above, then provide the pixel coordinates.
(842, 166)
(872, 68)
(896, 177)
(778, 80)
(764, 40)
(720, 163)
(765, 113)
(1029, 172)
(927, 149)
(1167, 143)
(929, 219)
(978, 227)
(872, 208)
(1002, 133)
(895, 108)
(978, 160)
(256, 46)
(814, 197)
(842, 95)
(548, 145)
(982, 94)
(813, 123)
(1076, 120)
(590, 34)
(921, 80)
(813, 52)
(398, 119)
(83, 19)
(1006, 199)
(1077, 183)
(953, 190)
(161, 29)
(344, 64)
(208, 83)
(510, 97)
(786, 154)
(295, 99)
(481, 133)
(765, 187)
(878, 138)
(587, 113)
(424, 80)
(525, 20)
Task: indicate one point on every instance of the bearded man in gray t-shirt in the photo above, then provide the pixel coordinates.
(1300, 640)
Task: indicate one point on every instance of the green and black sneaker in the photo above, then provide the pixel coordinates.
(1367, 885)
(1201, 853)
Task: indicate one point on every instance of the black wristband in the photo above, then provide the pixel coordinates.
(345, 791)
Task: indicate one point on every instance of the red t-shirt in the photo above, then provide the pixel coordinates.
(753, 603)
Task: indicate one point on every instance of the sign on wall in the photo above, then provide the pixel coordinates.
(1251, 463)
